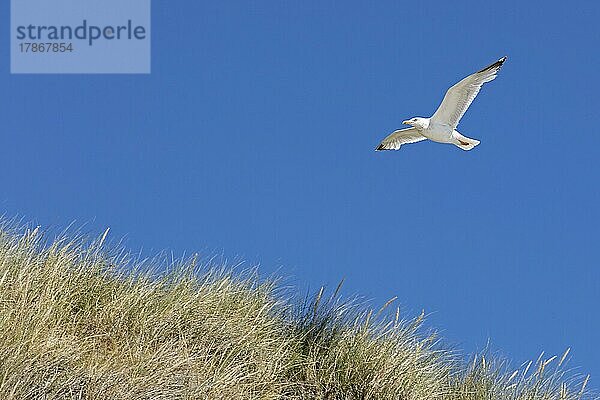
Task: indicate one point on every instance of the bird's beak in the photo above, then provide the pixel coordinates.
(407, 122)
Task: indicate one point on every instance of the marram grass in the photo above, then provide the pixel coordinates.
(81, 322)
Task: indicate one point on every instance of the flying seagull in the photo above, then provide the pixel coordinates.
(441, 127)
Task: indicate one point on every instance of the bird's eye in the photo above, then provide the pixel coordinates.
(415, 120)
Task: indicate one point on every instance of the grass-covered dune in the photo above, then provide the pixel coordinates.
(81, 322)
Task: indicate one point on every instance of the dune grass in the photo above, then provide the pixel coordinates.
(80, 322)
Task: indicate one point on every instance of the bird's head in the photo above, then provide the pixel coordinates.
(417, 122)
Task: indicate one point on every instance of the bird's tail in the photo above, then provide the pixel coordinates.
(464, 142)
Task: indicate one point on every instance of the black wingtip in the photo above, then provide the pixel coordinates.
(497, 64)
(380, 148)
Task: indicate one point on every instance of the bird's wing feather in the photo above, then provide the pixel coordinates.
(400, 137)
(460, 96)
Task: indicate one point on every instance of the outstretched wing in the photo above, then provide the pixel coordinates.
(460, 96)
(400, 137)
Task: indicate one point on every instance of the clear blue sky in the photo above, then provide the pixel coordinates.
(254, 137)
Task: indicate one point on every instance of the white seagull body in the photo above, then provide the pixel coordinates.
(441, 127)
